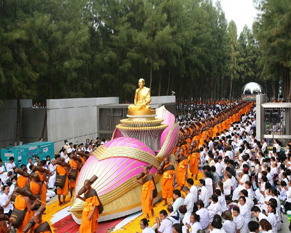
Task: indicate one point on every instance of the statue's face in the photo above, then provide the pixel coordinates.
(141, 83)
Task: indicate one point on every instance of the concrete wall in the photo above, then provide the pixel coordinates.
(8, 114)
(33, 120)
(74, 119)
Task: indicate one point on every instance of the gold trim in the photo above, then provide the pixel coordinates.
(161, 152)
(158, 127)
(127, 152)
(143, 112)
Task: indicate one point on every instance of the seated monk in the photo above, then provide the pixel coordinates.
(142, 97)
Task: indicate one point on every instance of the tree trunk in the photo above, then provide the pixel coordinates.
(222, 91)
(160, 83)
(230, 89)
(151, 77)
(169, 80)
(274, 89)
(18, 122)
(44, 125)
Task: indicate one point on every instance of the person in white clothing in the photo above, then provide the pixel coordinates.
(193, 189)
(208, 183)
(272, 217)
(216, 225)
(221, 200)
(256, 211)
(5, 201)
(174, 216)
(227, 184)
(2, 171)
(11, 165)
(244, 210)
(194, 224)
(30, 163)
(228, 224)
(204, 194)
(214, 208)
(144, 225)
(204, 214)
(189, 202)
(266, 226)
(164, 224)
(241, 180)
(239, 221)
(52, 168)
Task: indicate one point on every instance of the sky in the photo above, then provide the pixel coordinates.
(242, 12)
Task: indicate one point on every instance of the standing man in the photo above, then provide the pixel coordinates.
(11, 165)
(147, 195)
(90, 215)
(182, 168)
(168, 179)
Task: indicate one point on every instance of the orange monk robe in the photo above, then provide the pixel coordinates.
(194, 163)
(83, 160)
(147, 192)
(92, 225)
(35, 188)
(181, 172)
(20, 204)
(43, 188)
(22, 181)
(74, 165)
(65, 190)
(168, 183)
(36, 225)
(185, 148)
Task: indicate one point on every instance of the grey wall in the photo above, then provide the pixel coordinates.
(74, 119)
(8, 111)
(33, 120)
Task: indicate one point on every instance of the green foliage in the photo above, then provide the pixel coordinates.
(65, 49)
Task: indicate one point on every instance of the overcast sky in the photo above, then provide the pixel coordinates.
(242, 12)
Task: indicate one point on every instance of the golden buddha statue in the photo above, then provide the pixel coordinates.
(142, 98)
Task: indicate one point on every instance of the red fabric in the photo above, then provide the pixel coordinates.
(67, 224)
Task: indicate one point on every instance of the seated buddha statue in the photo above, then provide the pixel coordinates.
(142, 97)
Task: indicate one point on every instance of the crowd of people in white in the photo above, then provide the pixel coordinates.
(246, 186)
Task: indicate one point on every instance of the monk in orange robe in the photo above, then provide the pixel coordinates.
(168, 179)
(147, 195)
(22, 202)
(182, 168)
(22, 181)
(34, 185)
(44, 179)
(194, 163)
(40, 226)
(65, 189)
(74, 166)
(90, 215)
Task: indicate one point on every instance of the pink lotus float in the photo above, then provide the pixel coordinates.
(117, 163)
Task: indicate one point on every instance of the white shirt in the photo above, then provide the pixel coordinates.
(195, 227)
(229, 154)
(245, 212)
(204, 196)
(218, 167)
(3, 200)
(229, 226)
(148, 230)
(166, 226)
(273, 220)
(194, 191)
(218, 230)
(240, 224)
(209, 186)
(2, 176)
(213, 209)
(227, 186)
(204, 217)
(29, 171)
(189, 202)
(262, 216)
(10, 166)
(222, 202)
